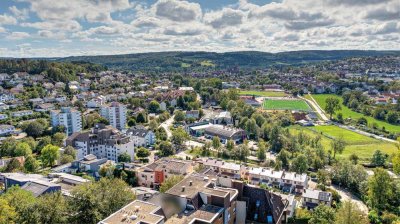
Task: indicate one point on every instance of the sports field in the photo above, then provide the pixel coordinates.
(348, 113)
(286, 105)
(363, 146)
(262, 93)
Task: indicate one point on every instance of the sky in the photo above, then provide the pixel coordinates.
(59, 28)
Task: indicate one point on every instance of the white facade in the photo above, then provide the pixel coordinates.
(21, 113)
(115, 114)
(6, 129)
(70, 118)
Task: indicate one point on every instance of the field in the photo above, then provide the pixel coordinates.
(263, 93)
(363, 146)
(286, 105)
(348, 113)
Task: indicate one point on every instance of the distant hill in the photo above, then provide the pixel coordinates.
(180, 61)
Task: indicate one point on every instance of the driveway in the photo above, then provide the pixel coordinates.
(317, 108)
(348, 196)
(166, 124)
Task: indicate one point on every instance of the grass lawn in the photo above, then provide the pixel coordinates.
(286, 105)
(348, 113)
(262, 93)
(363, 146)
(207, 63)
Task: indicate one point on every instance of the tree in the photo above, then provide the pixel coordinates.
(142, 152)
(216, 142)
(51, 208)
(13, 165)
(165, 149)
(141, 118)
(322, 214)
(354, 158)
(34, 129)
(378, 158)
(131, 122)
(338, 145)
(65, 158)
(58, 139)
(348, 213)
(31, 164)
(7, 147)
(380, 189)
(261, 151)
(7, 212)
(396, 163)
(392, 117)
(50, 154)
(170, 182)
(107, 170)
(332, 105)
(153, 125)
(153, 107)
(22, 149)
(124, 158)
(230, 145)
(94, 201)
(299, 164)
(179, 135)
(22, 201)
(179, 116)
(323, 178)
(46, 140)
(69, 150)
(283, 157)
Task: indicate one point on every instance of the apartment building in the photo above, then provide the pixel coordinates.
(21, 113)
(142, 136)
(68, 117)
(223, 168)
(153, 175)
(312, 198)
(115, 113)
(197, 199)
(287, 181)
(136, 212)
(6, 129)
(103, 142)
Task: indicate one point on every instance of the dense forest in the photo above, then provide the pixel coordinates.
(198, 61)
(56, 71)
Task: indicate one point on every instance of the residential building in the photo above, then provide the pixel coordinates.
(224, 118)
(153, 175)
(287, 181)
(68, 117)
(4, 97)
(223, 168)
(312, 198)
(21, 113)
(197, 199)
(6, 129)
(136, 212)
(141, 136)
(96, 102)
(115, 113)
(192, 114)
(44, 107)
(3, 116)
(103, 142)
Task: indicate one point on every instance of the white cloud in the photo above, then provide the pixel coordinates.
(180, 11)
(18, 35)
(21, 14)
(7, 20)
(224, 18)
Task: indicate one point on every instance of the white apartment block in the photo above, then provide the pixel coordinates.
(288, 181)
(141, 136)
(115, 113)
(68, 117)
(103, 142)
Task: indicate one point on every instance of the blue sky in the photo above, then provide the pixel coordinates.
(49, 28)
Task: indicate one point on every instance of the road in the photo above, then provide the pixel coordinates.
(166, 125)
(317, 108)
(347, 196)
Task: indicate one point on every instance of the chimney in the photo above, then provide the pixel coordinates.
(183, 188)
